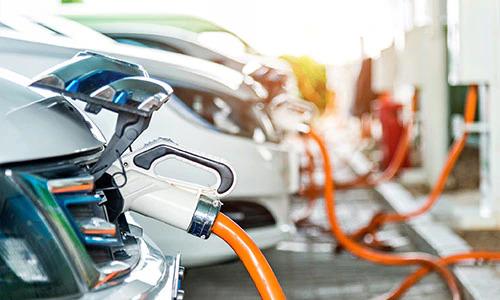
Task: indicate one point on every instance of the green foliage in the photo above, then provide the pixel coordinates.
(311, 79)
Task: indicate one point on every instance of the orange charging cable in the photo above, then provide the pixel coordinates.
(364, 252)
(415, 277)
(381, 218)
(309, 190)
(254, 261)
(312, 191)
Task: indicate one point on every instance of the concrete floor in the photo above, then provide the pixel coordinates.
(307, 268)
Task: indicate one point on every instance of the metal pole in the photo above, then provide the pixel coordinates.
(486, 205)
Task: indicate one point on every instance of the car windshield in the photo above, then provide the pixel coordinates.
(32, 264)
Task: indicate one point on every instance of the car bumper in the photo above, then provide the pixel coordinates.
(199, 252)
(155, 276)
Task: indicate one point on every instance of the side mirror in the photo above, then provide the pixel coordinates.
(291, 113)
(116, 85)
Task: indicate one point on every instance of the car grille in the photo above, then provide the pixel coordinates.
(90, 220)
(85, 205)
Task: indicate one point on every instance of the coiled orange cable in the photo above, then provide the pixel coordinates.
(370, 179)
(368, 253)
(381, 218)
(250, 255)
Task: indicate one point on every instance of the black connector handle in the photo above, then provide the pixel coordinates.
(226, 175)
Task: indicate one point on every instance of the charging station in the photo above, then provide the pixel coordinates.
(473, 28)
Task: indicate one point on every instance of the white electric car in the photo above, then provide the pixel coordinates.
(287, 111)
(211, 43)
(273, 73)
(215, 111)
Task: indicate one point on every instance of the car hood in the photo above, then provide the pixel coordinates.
(36, 126)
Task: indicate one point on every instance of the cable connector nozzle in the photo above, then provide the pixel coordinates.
(204, 217)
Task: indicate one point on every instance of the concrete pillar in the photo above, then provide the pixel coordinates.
(422, 64)
(434, 99)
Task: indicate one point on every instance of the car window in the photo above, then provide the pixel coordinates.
(186, 111)
(227, 114)
(32, 265)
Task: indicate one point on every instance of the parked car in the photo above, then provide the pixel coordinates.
(57, 239)
(219, 47)
(215, 110)
(271, 74)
